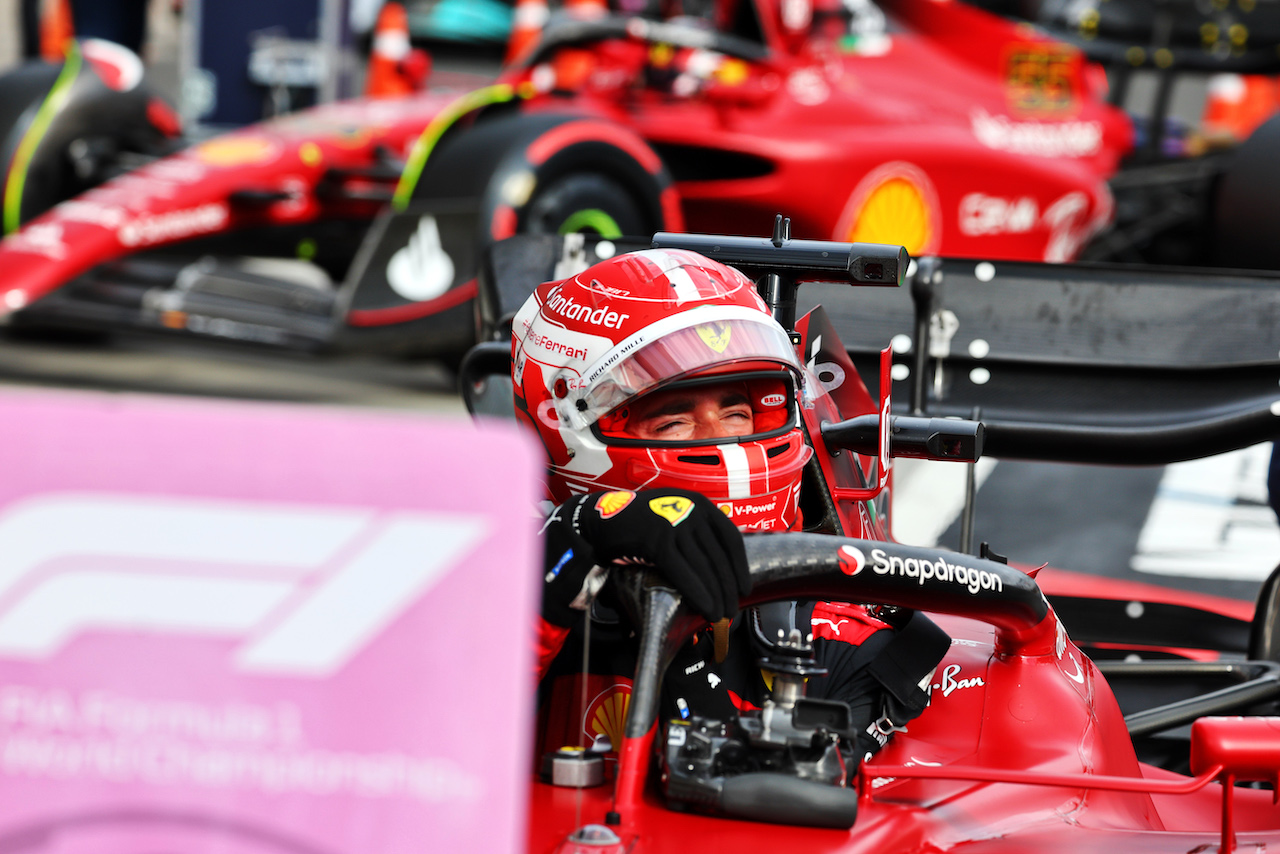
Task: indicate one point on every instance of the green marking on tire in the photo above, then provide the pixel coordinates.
(426, 141)
(39, 126)
(591, 219)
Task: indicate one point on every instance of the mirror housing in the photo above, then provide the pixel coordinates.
(944, 439)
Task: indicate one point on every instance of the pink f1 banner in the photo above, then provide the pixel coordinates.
(259, 629)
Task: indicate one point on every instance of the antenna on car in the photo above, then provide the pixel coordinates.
(781, 230)
(779, 264)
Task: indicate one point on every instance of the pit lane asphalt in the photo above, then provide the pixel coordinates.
(127, 363)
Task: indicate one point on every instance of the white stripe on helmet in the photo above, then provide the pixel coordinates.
(737, 469)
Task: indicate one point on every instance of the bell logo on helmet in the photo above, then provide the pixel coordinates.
(852, 560)
(612, 503)
(674, 316)
(674, 508)
(715, 335)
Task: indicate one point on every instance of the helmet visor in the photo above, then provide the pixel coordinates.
(655, 356)
(755, 405)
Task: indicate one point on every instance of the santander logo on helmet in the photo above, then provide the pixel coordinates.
(587, 349)
(602, 316)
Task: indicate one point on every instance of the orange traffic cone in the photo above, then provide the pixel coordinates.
(1236, 104)
(55, 29)
(395, 67)
(526, 28)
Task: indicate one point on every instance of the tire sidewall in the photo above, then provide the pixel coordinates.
(508, 164)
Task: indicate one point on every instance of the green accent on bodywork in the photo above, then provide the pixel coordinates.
(591, 219)
(306, 249)
(53, 102)
(496, 94)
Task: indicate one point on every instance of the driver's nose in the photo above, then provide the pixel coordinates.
(709, 422)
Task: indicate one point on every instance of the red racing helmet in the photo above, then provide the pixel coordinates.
(587, 348)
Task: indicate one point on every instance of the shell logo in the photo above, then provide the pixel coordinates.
(894, 203)
(607, 714)
(612, 503)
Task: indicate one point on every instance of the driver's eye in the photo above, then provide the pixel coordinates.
(671, 426)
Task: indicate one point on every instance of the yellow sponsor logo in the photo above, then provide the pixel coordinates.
(237, 151)
(310, 154)
(613, 503)
(673, 508)
(733, 72)
(715, 335)
(895, 212)
(607, 714)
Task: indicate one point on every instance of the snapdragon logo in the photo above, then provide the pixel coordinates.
(923, 569)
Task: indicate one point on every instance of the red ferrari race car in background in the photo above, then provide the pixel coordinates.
(1201, 185)
(940, 127)
(1057, 723)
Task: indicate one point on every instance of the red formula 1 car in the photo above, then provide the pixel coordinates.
(943, 128)
(1057, 723)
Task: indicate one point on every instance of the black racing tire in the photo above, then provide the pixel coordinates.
(45, 114)
(585, 202)
(515, 173)
(604, 168)
(1246, 205)
(1264, 631)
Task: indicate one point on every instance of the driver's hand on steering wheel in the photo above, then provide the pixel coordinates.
(681, 534)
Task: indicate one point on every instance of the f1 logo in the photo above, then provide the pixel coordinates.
(305, 586)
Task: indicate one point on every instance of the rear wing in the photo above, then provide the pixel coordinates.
(1096, 363)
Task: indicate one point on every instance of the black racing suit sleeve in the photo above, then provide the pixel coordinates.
(881, 677)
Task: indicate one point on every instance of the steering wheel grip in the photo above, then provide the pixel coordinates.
(780, 799)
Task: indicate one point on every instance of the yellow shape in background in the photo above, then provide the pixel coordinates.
(894, 212)
(236, 151)
(610, 717)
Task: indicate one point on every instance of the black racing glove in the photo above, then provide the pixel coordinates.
(681, 534)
